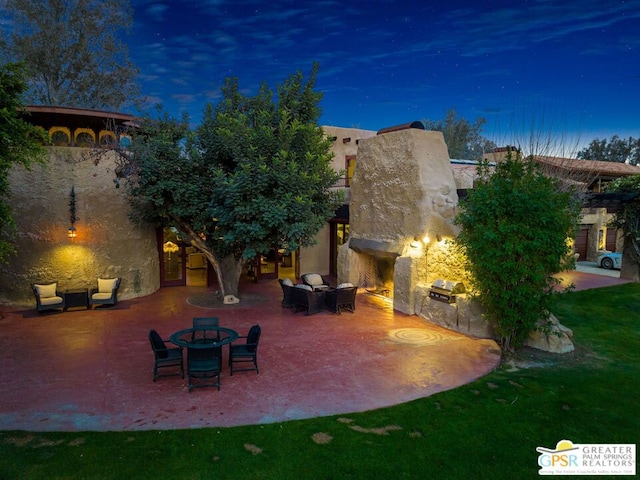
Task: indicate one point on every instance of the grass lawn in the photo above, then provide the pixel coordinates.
(487, 429)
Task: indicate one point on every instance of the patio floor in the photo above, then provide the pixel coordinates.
(92, 370)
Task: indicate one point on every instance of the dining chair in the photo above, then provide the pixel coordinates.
(203, 367)
(205, 322)
(246, 352)
(165, 357)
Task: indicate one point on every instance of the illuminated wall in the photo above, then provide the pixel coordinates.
(108, 244)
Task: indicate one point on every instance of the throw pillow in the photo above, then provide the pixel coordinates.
(105, 285)
(48, 290)
(287, 282)
(314, 279)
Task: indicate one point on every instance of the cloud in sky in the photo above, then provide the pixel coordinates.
(385, 62)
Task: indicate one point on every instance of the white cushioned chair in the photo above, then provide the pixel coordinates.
(315, 281)
(48, 297)
(106, 293)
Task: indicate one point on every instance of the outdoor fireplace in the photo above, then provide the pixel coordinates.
(403, 189)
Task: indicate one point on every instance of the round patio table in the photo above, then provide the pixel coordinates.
(204, 352)
(196, 337)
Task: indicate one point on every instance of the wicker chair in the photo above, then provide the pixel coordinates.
(48, 297)
(106, 293)
(306, 299)
(342, 298)
(287, 294)
(315, 281)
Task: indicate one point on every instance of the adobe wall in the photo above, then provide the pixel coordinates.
(108, 244)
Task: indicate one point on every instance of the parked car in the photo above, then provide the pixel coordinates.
(610, 260)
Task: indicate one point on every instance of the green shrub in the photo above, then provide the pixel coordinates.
(515, 224)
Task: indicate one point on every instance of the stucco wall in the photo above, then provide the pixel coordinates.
(345, 143)
(108, 244)
(315, 259)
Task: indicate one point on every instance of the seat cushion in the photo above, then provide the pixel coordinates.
(50, 300)
(106, 285)
(48, 290)
(313, 279)
(304, 287)
(345, 285)
(101, 296)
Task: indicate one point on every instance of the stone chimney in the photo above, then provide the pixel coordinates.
(403, 190)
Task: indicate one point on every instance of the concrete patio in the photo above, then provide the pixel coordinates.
(92, 370)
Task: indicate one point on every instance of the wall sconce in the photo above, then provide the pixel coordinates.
(72, 232)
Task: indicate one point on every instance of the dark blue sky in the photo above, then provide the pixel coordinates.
(568, 67)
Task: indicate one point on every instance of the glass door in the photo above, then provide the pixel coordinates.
(268, 265)
(172, 257)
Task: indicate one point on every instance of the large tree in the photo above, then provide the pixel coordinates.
(73, 52)
(616, 149)
(464, 140)
(20, 144)
(515, 225)
(256, 175)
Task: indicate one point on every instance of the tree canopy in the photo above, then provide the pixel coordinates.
(515, 225)
(20, 143)
(616, 149)
(72, 51)
(463, 138)
(254, 176)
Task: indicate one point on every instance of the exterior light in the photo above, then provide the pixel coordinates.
(415, 243)
(426, 240)
(72, 232)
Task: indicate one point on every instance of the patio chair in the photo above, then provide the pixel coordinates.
(315, 281)
(201, 337)
(305, 298)
(246, 352)
(342, 298)
(106, 293)
(287, 286)
(205, 322)
(165, 357)
(48, 297)
(203, 367)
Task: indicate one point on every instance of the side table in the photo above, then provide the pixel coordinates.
(77, 298)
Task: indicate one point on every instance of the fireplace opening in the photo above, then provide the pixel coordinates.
(383, 282)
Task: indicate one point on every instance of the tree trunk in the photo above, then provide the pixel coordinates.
(228, 272)
(228, 268)
(630, 261)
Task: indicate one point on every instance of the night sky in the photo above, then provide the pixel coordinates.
(570, 68)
